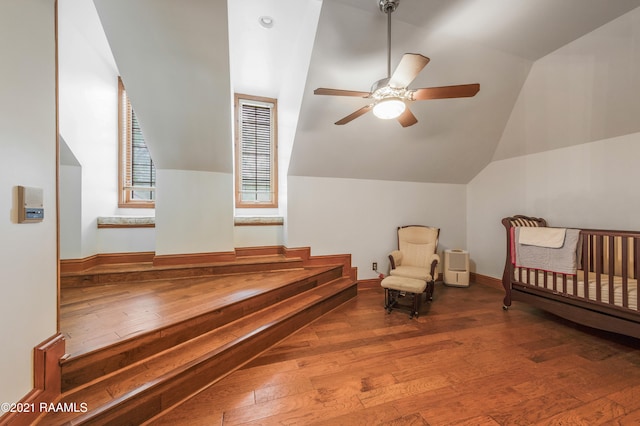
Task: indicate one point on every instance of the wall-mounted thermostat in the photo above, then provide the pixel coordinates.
(30, 206)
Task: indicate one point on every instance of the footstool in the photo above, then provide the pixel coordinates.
(395, 287)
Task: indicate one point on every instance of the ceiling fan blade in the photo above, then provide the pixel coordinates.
(338, 92)
(408, 69)
(407, 118)
(444, 92)
(354, 115)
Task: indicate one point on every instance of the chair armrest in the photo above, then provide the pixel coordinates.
(435, 259)
(395, 259)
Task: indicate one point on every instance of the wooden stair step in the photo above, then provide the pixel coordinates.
(107, 274)
(150, 386)
(80, 369)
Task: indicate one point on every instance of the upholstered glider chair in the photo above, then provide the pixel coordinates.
(417, 256)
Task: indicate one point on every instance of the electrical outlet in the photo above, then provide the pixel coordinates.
(374, 266)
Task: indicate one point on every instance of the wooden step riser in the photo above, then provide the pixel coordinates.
(88, 280)
(156, 397)
(82, 369)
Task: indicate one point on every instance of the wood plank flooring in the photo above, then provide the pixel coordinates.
(97, 316)
(464, 361)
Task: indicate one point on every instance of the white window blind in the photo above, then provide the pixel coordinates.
(256, 166)
(143, 172)
(137, 171)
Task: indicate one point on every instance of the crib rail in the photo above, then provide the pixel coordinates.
(608, 269)
(609, 255)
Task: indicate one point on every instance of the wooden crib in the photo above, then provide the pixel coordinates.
(601, 293)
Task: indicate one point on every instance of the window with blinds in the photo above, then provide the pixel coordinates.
(256, 152)
(137, 172)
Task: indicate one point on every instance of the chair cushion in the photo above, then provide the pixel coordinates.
(404, 284)
(417, 244)
(417, 254)
(413, 272)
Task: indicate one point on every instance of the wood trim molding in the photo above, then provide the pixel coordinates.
(486, 280)
(237, 98)
(47, 381)
(71, 266)
(337, 259)
(78, 265)
(369, 283)
(193, 258)
(47, 372)
(260, 251)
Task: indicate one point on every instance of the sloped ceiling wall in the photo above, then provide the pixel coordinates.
(491, 42)
(174, 60)
(585, 91)
(453, 139)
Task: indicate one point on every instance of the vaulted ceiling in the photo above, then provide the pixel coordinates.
(182, 61)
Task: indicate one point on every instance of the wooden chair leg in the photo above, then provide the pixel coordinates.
(390, 299)
(417, 303)
(429, 290)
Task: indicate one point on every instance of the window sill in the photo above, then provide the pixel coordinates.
(258, 221)
(149, 221)
(126, 222)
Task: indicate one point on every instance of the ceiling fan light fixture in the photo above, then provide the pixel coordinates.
(389, 108)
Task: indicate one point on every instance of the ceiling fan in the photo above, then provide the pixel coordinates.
(390, 95)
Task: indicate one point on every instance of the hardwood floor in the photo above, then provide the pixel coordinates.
(137, 348)
(97, 316)
(464, 361)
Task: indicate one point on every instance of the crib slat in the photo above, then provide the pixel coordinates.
(636, 264)
(625, 272)
(599, 266)
(612, 268)
(585, 263)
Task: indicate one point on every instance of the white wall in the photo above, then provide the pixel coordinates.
(27, 157)
(126, 240)
(70, 212)
(257, 236)
(194, 212)
(585, 186)
(360, 217)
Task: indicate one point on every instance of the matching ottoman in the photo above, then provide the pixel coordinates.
(395, 287)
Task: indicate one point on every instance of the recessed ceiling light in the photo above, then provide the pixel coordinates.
(266, 21)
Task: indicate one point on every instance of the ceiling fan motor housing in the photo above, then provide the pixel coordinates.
(388, 5)
(382, 90)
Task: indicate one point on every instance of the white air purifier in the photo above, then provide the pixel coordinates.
(456, 268)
